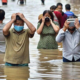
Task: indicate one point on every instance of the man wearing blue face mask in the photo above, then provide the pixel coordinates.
(17, 40)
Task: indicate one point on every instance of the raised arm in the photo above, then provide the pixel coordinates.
(61, 34)
(9, 24)
(30, 25)
(77, 25)
(55, 27)
(39, 30)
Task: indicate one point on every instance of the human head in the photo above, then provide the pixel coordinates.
(59, 7)
(72, 28)
(18, 24)
(52, 8)
(67, 7)
(48, 13)
(40, 17)
(18, 21)
(2, 14)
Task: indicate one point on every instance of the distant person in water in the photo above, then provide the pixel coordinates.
(4, 2)
(68, 12)
(22, 1)
(13, 0)
(17, 40)
(2, 38)
(43, 2)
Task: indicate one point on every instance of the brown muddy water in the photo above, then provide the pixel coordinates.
(44, 64)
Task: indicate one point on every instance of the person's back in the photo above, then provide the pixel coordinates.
(2, 39)
(4, 2)
(68, 12)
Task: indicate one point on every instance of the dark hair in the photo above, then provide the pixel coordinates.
(53, 7)
(50, 13)
(18, 18)
(2, 14)
(67, 6)
(59, 4)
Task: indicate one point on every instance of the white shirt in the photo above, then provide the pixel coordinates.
(71, 44)
(2, 39)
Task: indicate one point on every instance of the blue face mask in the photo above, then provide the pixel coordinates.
(18, 28)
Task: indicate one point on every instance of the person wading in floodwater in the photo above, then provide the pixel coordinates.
(42, 1)
(4, 2)
(22, 1)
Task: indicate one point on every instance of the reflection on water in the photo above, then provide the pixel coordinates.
(70, 71)
(44, 64)
(16, 73)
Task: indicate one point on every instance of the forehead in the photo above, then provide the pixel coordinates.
(47, 14)
(19, 22)
(59, 6)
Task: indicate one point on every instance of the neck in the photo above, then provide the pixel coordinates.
(67, 10)
(1, 22)
(47, 23)
(18, 32)
(71, 31)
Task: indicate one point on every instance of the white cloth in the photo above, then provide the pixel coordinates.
(2, 39)
(71, 44)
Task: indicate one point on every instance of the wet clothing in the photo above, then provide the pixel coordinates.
(17, 47)
(4, 2)
(66, 60)
(47, 37)
(9, 64)
(71, 44)
(59, 17)
(2, 39)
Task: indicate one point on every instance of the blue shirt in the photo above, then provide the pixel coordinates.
(69, 13)
(71, 43)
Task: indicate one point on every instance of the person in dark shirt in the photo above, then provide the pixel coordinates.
(42, 1)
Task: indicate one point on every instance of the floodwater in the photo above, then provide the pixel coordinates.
(44, 64)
